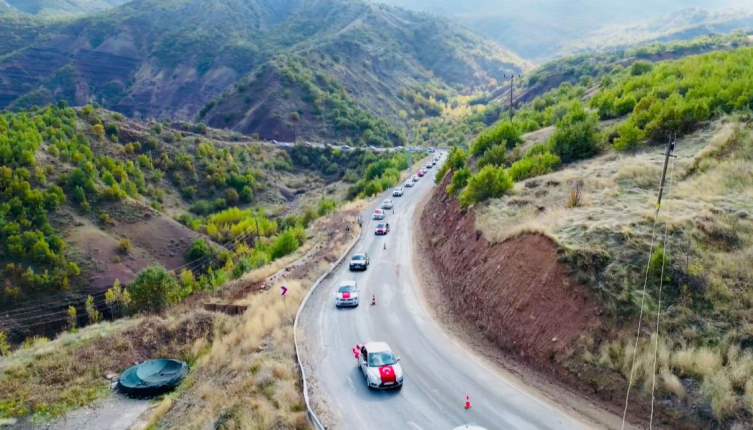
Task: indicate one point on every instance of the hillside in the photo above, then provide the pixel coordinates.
(88, 197)
(56, 7)
(681, 25)
(173, 59)
(589, 185)
(542, 29)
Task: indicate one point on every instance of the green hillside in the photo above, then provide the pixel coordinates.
(154, 59)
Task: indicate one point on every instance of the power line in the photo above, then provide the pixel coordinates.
(669, 149)
(658, 310)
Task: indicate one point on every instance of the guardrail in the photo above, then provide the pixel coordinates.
(309, 411)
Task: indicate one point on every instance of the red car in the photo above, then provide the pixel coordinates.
(421, 173)
(382, 229)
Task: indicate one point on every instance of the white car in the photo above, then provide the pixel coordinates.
(409, 183)
(347, 294)
(397, 192)
(387, 204)
(416, 178)
(378, 214)
(429, 166)
(380, 366)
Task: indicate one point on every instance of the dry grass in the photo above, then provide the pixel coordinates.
(249, 379)
(69, 372)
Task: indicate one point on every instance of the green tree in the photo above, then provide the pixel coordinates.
(4, 345)
(72, 319)
(153, 289)
(94, 315)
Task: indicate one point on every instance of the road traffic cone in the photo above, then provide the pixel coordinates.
(373, 300)
(468, 402)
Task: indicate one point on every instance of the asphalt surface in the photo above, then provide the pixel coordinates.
(439, 372)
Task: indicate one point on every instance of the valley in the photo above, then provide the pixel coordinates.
(184, 178)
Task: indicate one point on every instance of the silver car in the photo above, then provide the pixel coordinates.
(387, 204)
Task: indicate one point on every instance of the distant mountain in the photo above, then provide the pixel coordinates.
(540, 29)
(57, 7)
(283, 68)
(682, 25)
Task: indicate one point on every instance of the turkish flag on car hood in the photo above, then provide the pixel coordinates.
(387, 373)
(346, 295)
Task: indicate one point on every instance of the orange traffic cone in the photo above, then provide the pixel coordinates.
(373, 300)
(468, 402)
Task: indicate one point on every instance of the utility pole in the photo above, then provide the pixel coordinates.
(512, 87)
(667, 154)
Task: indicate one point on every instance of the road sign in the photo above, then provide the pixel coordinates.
(283, 291)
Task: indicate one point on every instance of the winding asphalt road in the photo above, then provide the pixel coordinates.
(439, 372)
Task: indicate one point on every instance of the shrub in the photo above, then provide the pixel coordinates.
(459, 181)
(496, 156)
(153, 289)
(124, 246)
(326, 206)
(200, 249)
(629, 138)
(575, 137)
(284, 244)
(502, 133)
(536, 165)
(488, 183)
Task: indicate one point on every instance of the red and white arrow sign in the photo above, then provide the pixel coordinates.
(283, 291)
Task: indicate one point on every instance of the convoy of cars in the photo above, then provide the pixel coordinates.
(376, 360)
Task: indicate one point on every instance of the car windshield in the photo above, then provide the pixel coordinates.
(346, 289)
(377, 359)
(380, 225)
(359, 257)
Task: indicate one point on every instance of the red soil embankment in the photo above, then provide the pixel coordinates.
(517, 293)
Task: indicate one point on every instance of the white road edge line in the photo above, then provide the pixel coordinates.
(309, 410)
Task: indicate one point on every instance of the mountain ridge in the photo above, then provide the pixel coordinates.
(150, 59)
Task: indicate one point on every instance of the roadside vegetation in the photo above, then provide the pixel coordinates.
(599, 172)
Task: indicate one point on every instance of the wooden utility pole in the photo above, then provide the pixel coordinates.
(512, 88)
(667, 154)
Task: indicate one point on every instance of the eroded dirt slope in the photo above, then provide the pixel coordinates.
(517, 293)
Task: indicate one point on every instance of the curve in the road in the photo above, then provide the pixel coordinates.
(439, 373)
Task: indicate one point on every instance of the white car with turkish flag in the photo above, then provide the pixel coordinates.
(380, 366)
(347, 294)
